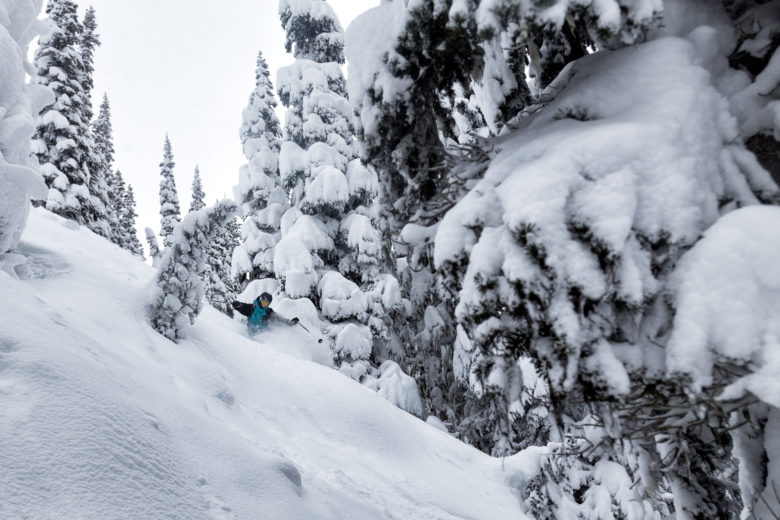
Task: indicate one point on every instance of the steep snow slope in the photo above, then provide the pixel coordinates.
(100, 417)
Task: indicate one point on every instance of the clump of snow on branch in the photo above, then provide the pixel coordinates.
(353, 343)
(728, 304)
(341, 298)
(295, 266)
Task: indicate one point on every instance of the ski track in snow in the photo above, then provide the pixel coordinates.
(100, 417)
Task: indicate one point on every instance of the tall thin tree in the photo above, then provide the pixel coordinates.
(62, 126)
(119, 196)
(104, 166)
(169, 199)
(197, 192)
(259, 191)
(100, 213)
(128, 223)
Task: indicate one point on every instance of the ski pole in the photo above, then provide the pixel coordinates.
(319, 340)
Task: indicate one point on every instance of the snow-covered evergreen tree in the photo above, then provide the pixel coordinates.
(330, 245)
(178, 292)
(19, 177)
(555, 255)
(170, 214)
(217, 278)
(411, 70)
(429, 331)
(102, 132)
(262, 200)
(154, 247)
(119, 196)
(755, 25)
(259, 116)
(129, 215)
(63, 127)
(88, 42)
(472, 53)
(198, 195)
(100, 211)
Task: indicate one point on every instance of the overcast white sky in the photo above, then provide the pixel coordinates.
(185, 67)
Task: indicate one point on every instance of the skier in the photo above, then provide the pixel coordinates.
(259, 313)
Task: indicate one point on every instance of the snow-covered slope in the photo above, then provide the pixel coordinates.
(102, 418)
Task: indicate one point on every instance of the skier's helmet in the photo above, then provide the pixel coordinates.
(265, 299)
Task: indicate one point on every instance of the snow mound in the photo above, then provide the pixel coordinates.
(354, 342)
(400, 389)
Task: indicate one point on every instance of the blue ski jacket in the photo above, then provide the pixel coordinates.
(259, 316)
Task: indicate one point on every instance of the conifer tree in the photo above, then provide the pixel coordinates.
(169, 200)
(62, 126)
(89, 41)
(233, 239)
(119, 195)
(129, 215)
(100, 212)
(259, 117)
(405, 108)
(104, 166)
(437, 55)
(262, 200)
(331, 251)
(154, 247)
(197, 192)
(217, 279)
(178, 292)
(501, 88)
(556, 269)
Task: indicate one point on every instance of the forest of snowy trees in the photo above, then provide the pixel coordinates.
(74, 149)
(546, 226)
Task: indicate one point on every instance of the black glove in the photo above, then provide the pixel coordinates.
(294, 321)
